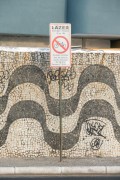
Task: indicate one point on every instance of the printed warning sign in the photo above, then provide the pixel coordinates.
(60, 45)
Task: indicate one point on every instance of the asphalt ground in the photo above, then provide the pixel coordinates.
(63, 178)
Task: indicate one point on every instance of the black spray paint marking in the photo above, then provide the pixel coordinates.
(94, 127)
(96, 143)
(66, 77)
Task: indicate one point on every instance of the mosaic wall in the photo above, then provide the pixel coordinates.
(29, 104)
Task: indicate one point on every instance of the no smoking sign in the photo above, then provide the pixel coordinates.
(60, 45)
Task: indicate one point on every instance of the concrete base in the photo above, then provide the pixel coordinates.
(95, 43)
(52, 167)
(60, 171)
(43, 41)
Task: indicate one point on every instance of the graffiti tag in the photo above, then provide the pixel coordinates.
(66, 77)
(96, 143)
(95, 127)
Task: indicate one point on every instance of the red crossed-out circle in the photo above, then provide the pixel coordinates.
(56, 41)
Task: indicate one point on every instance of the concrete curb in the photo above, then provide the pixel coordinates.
(57, 170)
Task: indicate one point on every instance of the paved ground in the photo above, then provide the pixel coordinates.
(44, 161)
(53, 166)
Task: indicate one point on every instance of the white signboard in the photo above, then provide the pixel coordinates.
(60, 45)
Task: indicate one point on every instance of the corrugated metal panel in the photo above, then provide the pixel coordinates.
(30, 16)
(94, 16)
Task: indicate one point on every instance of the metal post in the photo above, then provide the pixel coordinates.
(60, 111)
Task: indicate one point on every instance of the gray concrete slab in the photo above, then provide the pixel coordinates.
(52, 166)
